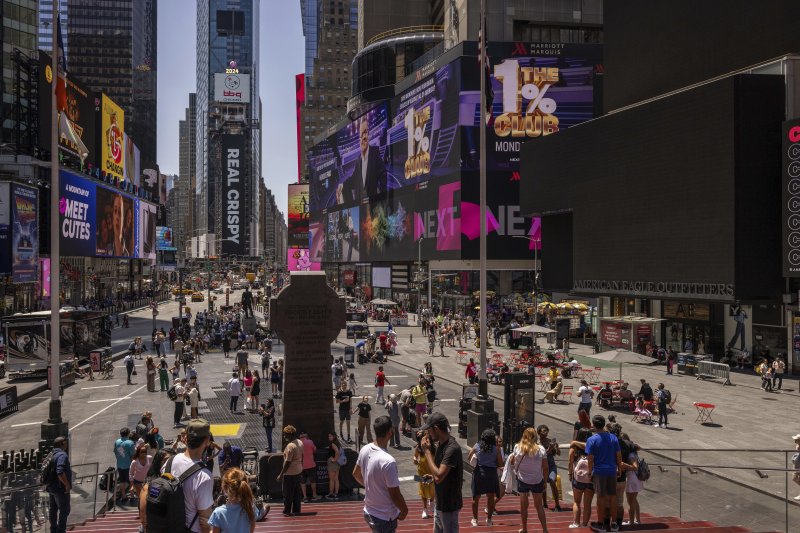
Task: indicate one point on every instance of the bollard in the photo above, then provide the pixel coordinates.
(411, 338)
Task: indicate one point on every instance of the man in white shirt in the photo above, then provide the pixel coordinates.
(180, 391)
(585, 393)
(235, 390)
(376, 471)
(198, 488)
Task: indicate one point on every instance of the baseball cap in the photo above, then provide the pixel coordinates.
(199, 427)
(436, 419)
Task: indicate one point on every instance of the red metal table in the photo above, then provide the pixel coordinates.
(704, 411)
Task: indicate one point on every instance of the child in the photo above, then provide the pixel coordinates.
(239, 514)
(644, 414)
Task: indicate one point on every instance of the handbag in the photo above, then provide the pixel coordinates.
(134, 373)
(473, 461)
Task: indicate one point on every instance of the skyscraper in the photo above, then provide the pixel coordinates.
(46, 24)
(113, 49)
(180, 210)
(227, 45)
(19, 30)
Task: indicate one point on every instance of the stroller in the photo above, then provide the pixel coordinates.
(250, 467)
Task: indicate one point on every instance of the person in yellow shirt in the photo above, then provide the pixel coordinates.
(426, 490)
(420, 394)
(552, 375)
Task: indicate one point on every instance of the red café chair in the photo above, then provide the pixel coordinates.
(566, 391)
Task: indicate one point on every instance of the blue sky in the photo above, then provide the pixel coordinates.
(282, 57)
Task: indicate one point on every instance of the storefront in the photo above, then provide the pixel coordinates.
(693, 327)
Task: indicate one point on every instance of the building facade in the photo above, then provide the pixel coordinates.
(46, 25)
(227, 43)
(114, 49)
(18, 30)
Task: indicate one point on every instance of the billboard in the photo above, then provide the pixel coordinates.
(76, 206)
(132, 170)
(115, 224)
(44, 276)
(5, 227)
(299, 261)
(112, 152)
(342, 235)
(791, 198)
(235, 212)
(298, 216)
(77, 123)
(25, 235)
(147, 230)
(232, 88)
(164, 239)
(299, 102)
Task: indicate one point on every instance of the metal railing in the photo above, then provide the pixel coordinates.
(25, 504)
(405, 31)
(730, 487)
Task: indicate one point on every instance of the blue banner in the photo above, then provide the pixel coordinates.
(76, 207)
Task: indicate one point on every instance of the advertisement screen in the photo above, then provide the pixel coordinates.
(150, 182)
(147, 230)
(299, 261)
(25, 235)
(76, 206)
(164, 239)
(232, 88)
(76, 123)
(5, 227)
(342, 235)
(113, 142)
(298, 216)
(382, 277)
(791, 198)
(44, 268)
(234, 210)
(132, 162)
(115, 224)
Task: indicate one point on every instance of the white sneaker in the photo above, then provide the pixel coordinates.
(573, 526)
(424, 513)
(474, 522)
(488, 521)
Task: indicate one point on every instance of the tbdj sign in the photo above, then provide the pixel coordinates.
(791, 198)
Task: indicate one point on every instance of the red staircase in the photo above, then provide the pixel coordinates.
(347, 517)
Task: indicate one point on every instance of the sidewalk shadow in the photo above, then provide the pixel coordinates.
(711, 425)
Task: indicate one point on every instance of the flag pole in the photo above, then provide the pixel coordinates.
(55, 426)
(483, 386)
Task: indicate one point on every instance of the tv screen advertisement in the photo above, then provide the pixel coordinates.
(113, 140)
(147, 230)
(115, 224)
(164, 239)
(234, 211)
(25, 233)
(44, 269)
(298, 260)
(298, 216)
(343, 235)
(382, 277)
(132, 162)
(77, 219)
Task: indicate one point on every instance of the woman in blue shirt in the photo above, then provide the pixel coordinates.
(485, 457)
(239, 513)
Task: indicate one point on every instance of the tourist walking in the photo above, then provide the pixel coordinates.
(529, 461)
(605, 460)
(267, 413)
(380, 383)
(779, 368)
(343, 400)
(234, 390)
(150, 371)
(290, 473)
(586, 394)
(194, 400)
(178, 398)
(486, 458)
(130, 367)
(163, 374)
(60, 487)
(443, 454)
(420, 395)
(255, 391)
(376, 471)
(663, 397)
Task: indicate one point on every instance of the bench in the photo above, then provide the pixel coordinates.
(711, 370)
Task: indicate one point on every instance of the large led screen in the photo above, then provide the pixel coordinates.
(298, 216)
(25, 235)
(115, 230)
(147, 230)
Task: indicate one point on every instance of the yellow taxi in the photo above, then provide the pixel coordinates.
(177, 292)
(197, 297)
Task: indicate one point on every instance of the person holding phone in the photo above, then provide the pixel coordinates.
(424, 476)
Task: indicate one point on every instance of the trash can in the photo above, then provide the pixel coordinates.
(98, 358)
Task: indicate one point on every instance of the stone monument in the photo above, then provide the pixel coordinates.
(308, 316)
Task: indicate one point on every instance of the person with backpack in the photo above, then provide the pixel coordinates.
(337, 372)
(183, 500)
(267, 413)
(57, 474)
(163, 374)
(335, 458)
(581, 479)
(663, 397)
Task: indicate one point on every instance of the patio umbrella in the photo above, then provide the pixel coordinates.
(581, 307)
(379, 301)
(534, 329)
(547, 305)
(623, 356)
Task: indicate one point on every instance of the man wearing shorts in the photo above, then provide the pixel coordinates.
(343, 398)
(309, 475)
(605, 463)
(585, 393)
(420, 394)
(124, 450)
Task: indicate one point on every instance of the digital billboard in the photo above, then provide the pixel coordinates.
(232, 88)
(299, 261)
(25, 235)
(150, 182)
(115, 226)
(44, 276)
(298, 216)
(76, 206)
(234, 211)
(76, 127)
(791, 198)
(132, 170)
(5, 227)
(343, 235)
(164, 239)
(113, 144)
(147, 230)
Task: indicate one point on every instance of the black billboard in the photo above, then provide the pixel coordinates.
(77, 123)
(235, 206)
(791, 198)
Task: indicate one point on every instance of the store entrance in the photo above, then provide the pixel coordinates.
(686, 337)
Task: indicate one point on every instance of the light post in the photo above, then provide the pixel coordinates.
(535, 273)
(419, 276)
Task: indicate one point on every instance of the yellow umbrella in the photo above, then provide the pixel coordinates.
(547, 305)
(565, 306)
(581, 307)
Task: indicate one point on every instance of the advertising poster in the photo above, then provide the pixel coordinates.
(76, 206)
(790, 135)
(299, 261)
(232, 88)
(164, 239)
(132, 162)
(5, 227)
(44, 268)
(25, 235)
(113, 142)
(298, 216)
(115, 224)
(316, 236)
(27, 345)
(343, 235)
(147, 230)
(235, 208)
(77, 136)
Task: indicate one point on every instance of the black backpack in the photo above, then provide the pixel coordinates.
(48, 474)
(166, 509)
(667, 396)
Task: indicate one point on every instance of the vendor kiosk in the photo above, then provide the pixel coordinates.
(519, 393)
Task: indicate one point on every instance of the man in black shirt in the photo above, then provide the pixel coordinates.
(364, 424)
(447, 466)
(343, 398)
(646, 391)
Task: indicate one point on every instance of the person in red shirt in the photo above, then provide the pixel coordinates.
(380, 382)
(472, 370)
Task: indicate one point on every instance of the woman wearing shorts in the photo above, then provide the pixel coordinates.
(334, 449)
(529, 461)
(581, 479)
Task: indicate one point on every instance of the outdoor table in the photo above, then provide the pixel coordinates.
(704, 411)
(461, 357)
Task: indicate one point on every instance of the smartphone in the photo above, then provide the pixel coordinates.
(423, 479)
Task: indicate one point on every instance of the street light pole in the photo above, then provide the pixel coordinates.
(419, 275)
(535, 273)
(483, 384)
